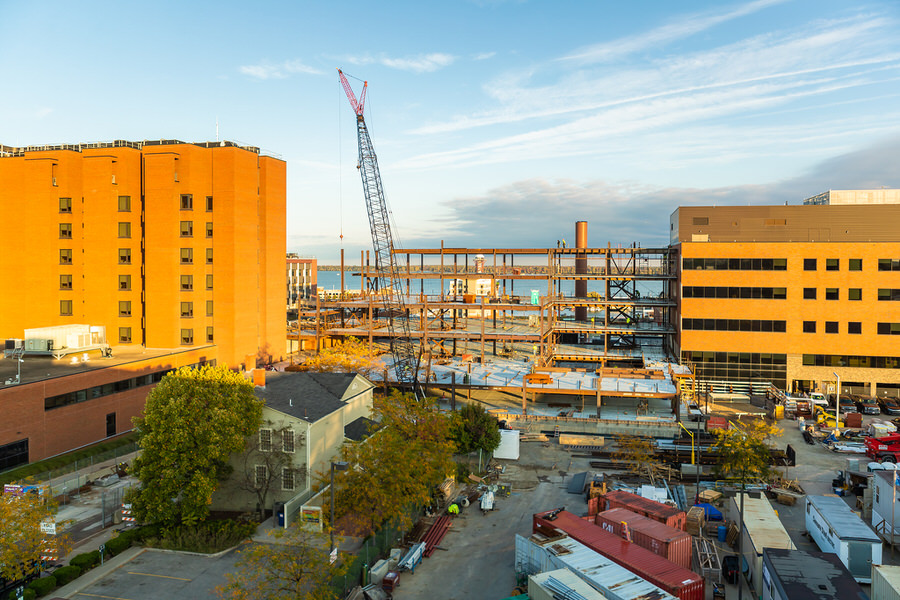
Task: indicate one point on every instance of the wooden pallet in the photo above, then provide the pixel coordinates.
(731, 536)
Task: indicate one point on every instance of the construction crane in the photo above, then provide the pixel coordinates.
(406, 360)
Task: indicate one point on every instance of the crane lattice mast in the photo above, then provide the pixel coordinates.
(406, 361)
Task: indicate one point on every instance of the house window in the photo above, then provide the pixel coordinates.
(187, 256)
(287, 441)
(832, 264)
(124, 256)
(854, 294)
(209, 203)
(832, 294)
(187, 228)
(209, 308)
(124, 282)
(209, 334)
(65, 257)
(209, 230)
(209, 256)
(187, 283)
(124, 203)
(261, 475)
(809, 264)
(124, 335)
(854, 264)
(209, 282)
(65, 282)
(124, 230)
(187, 202)
(831, 327)
(124, 308)
(809, 293)
(809, 326)
(187, 309)
(287, 479)
(265, 440)
(854, 327)
(187, 337)
(65, 308)
(65, 205)
(65, 231)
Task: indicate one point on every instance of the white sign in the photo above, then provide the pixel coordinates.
(48, 526)
(333, 556)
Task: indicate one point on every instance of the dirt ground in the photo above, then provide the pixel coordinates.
(479, 551)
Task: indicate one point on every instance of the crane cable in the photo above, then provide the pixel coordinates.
(340, 170)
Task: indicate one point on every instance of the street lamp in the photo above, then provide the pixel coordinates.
(837, 397)
(340, 466)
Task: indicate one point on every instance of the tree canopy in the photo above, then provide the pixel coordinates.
(194, 419)
(743, 450)
(348, 356)
(22, 543)
(474, 429)
(295, 567)
(400, 464)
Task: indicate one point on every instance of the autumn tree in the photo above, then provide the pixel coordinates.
(398, 466)
(637, 454)
(295, 567)
(473, 428)
(348, 356)
(193, 421)
(743, 450)
(22, 543)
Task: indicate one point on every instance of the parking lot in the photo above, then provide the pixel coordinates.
(154, 574)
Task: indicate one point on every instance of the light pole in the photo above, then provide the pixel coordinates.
(837, 397)
(340, 466)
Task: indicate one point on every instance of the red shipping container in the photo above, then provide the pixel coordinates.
(668, 542)
(594, 506)
(657, 511)
(678, 581)
(714, 423)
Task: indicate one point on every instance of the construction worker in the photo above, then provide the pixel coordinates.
(453, 509)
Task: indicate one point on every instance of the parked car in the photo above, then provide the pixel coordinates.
(867, 405)
(818, 398)
(889, 405)
(846, 405)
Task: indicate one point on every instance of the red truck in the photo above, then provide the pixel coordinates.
(884, 449)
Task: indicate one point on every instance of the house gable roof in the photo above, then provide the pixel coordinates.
(310, 396)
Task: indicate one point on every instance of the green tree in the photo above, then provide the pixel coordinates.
(398, 466)
(349, 356)
(474, 428)
(194, 419)
(22, 543)
(295, 567)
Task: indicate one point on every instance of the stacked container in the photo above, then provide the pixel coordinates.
(678, 581)
(652, 509)
(660, 539)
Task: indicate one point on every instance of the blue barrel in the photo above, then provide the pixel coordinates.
(723, 531)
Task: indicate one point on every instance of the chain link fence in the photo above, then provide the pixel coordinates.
(68, 479)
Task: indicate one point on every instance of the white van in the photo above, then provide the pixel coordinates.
(819, 399)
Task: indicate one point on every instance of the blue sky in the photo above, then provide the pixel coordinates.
(496, 123)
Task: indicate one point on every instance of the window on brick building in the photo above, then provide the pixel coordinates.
(809, 326)
(809, 264)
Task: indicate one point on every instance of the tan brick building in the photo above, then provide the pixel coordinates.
(796, 295)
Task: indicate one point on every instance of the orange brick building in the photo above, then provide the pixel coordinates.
(167, 244)
(796, 295)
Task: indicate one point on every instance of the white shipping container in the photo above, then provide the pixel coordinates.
(837, 529)
(509, 445)
(885, 582)
(762, 529)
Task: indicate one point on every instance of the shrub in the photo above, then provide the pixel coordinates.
(86, 561)
(29, 594)
(66, 574)
(119, 544)
(207, 537)
(43, 586)
(462, 472)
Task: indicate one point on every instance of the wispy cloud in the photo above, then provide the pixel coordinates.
(588, 111)
(536, 212)
(419, 63)
(656, 38)
(484, 55)
(281, 70)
